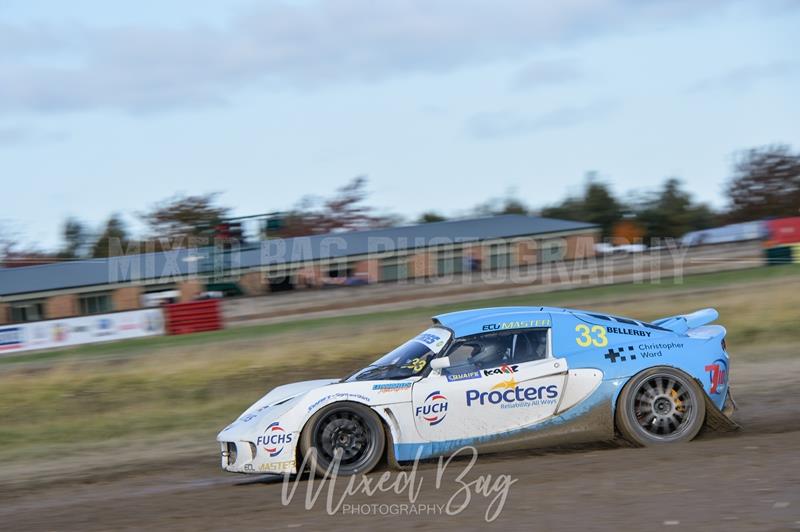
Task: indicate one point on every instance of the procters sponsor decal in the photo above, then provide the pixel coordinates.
(717, 376)
(509, 394)
(433, 409)
(274, 439)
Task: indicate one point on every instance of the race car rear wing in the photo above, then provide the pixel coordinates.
(683, 322)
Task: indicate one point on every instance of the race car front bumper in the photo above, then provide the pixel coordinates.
(243, 457)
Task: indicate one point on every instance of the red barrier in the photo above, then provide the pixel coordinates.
(784, 231)
(192, 317)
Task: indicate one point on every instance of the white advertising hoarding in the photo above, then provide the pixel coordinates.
(77, 331)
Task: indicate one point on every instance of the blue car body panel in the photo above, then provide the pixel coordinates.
(618, 347)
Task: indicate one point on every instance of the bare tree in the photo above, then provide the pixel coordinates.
(346, 210)
(181, 217)
(766, 183)
(112, 240)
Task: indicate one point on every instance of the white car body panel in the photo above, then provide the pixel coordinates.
(580, 383)
(483, 409)
(273, 424)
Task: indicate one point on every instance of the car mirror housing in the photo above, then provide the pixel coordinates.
(440, 363)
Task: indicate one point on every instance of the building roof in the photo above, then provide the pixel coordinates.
(184, 262)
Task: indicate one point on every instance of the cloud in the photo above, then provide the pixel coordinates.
(53, 68)
(746, 76)
(499, 124)
(18, 135)
(541, 73)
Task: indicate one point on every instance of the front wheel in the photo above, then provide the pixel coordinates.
(350, 431)
(660, 405)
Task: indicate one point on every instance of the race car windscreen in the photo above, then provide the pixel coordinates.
(408, 360)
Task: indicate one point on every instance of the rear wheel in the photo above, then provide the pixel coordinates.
(660, 405)
(349, 432)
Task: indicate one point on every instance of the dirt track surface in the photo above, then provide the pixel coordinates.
(749, 480)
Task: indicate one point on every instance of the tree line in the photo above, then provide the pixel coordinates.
(765, 183)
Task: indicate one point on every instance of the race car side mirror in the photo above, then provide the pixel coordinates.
(440, 363)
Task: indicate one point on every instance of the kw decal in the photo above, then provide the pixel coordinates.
(501, 370)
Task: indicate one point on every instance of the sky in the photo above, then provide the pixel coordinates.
(109, 107)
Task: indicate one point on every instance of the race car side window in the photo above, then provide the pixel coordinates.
(530, 345)
(491, 350)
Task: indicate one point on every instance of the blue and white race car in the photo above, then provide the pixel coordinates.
(496, 379)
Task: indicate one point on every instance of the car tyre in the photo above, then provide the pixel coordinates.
(350, 428)
(660, 405)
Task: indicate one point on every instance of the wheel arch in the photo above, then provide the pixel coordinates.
(715, 418)
(388, 429)
(703, 398)
(624, 381)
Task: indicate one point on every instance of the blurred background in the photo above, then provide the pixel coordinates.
(203, 200)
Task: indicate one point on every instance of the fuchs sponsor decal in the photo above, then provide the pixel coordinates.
(433, 409)
(274, 439)
(717, 376)
(514, 396)
(464, 376)
(502, 370)
(629, 332)
(392, 387)
(524, 324)
(10, 338)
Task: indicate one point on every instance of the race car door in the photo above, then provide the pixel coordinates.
(496, 382)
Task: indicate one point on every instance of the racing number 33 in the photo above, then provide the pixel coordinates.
(595, 336)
